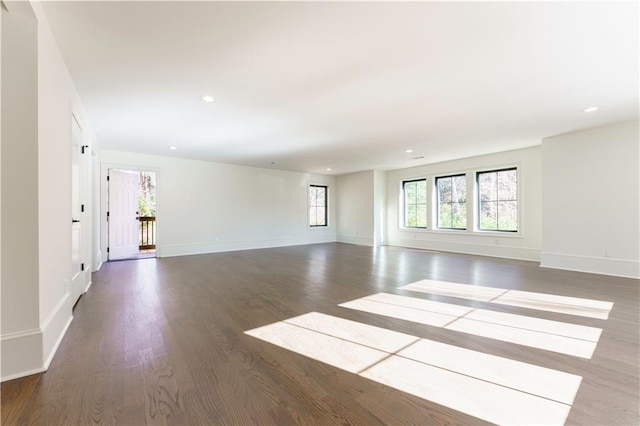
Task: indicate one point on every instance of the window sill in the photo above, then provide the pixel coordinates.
(319, 228)
(491, 234)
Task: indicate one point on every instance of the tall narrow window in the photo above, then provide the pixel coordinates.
(415, 203)
(317, 205)
(452, 202)
(498, 200)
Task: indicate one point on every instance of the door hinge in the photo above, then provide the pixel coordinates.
(81, 208)
(107, 249)
(82, 266)
(107, 178)
(107, 216)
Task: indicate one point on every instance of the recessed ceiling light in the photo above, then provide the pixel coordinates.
(173, 148)
(328, 169)
(418, 158)
(409, 151)
(207, 98)
(590, 109)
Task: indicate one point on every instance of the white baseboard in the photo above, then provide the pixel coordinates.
(356, 239)
(48, 360)
(22, 374)
(224, 246)
(502, 251)
(98, 261)
(21, 354)
(55, 327)
(30, 352)
(594, 265)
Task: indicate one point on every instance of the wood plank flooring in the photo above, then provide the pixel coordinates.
(161, 341)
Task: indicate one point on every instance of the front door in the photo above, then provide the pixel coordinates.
(77, 278)
(123, 214)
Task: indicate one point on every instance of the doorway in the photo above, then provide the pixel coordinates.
(79, 228)
(131, 214)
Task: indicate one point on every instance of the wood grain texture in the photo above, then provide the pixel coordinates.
(161, 341)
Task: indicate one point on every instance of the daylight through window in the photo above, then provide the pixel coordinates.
(452, 202)
(415, 203)
(498, 200)
(317, 205)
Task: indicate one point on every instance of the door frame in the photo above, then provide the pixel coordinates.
(78, 282)
(104, 206)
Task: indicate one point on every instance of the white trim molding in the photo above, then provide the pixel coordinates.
(366, 240)
(56, 345)
(54, 328)
(21, 354)
(224, 246)
(491, 250)
(98, 261)
(594, 265)
(30, 351)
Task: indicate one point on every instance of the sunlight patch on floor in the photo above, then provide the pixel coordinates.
(525, 299)
(346, 355)
(353, 331)
(489, 387)
(556, 336)
(484, 400)
(463, 291)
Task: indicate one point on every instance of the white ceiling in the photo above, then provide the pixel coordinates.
(349, 86)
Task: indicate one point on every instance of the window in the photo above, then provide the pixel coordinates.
(415, 203)
(317, 205)
(452, 202)
(498, 200)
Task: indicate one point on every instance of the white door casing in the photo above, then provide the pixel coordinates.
(123, 214)
(77, 278)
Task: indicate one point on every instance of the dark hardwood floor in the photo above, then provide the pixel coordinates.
(161, 341)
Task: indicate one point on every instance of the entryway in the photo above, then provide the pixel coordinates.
(131, 214)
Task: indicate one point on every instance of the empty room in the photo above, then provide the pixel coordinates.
(318, 213)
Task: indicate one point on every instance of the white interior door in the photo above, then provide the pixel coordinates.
(123, 214)
(77, 278)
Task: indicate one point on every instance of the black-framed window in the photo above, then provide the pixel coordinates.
(498, 200)
(415, 203)
(318, 211)
(452, 201)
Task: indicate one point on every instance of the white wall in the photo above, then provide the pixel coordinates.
(356, 208)
(591, 213)
(379, 201)
(36, 225)
(526, 244)
(361, 208)
(0, 187)
(21, 339)
(206, 207)
(96, 246)
(57, 102)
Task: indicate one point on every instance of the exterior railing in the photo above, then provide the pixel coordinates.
(147, 233)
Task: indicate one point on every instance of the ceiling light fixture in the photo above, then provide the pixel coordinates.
(173, 148)
(590, 109)
(409, 151)
(207, 98)
(328, 169)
